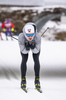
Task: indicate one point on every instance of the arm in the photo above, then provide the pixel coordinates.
(3, 25)
(21, 40)
(38, 43)
(13, 26)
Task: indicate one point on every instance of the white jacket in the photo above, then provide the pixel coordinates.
(22, 39)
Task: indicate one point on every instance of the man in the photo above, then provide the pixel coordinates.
(8, 28)
(0, 31)
(30, 39)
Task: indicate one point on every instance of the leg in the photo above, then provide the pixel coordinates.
(36, 64)
(6, 35)
(23, 64)
(10, 35)
(23, 70)
(1, 36)
(37, 70)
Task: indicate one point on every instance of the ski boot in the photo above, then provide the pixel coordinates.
(37, 85)
(23, 84)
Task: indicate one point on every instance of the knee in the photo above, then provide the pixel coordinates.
(24, 60)
(24, 57)
(36, 58)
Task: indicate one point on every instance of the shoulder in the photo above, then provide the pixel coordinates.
(21, 35)
(38, 36)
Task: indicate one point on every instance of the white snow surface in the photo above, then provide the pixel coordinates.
(53, 89)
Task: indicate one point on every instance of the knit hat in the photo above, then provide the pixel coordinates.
(29, 29)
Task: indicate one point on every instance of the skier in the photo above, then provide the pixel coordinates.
(8, 28)
(30, 39)
(1, 30)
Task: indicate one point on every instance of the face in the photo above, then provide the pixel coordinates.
(30, 36)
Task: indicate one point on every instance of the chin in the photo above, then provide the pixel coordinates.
(30, 39)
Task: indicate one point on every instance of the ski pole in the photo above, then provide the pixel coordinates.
(41, 35)
(45, 31)
(14, 38)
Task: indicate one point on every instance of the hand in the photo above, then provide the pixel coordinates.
(32, 46)
(27, 45)
(12, 29)
(4, 30)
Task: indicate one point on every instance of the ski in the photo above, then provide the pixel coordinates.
(39, 90)
(24, 89)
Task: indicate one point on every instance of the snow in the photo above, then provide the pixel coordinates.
(53, 89)
(54, 28)
(53, 54)
(57, 25)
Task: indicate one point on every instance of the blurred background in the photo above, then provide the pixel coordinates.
(44, 13)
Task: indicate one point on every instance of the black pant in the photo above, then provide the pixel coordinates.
(36, 64)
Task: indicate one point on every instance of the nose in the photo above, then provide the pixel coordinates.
(30, 36)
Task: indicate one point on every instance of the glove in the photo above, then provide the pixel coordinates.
(12, 29)
(27, 45)
(4, 29)
(33, 44)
